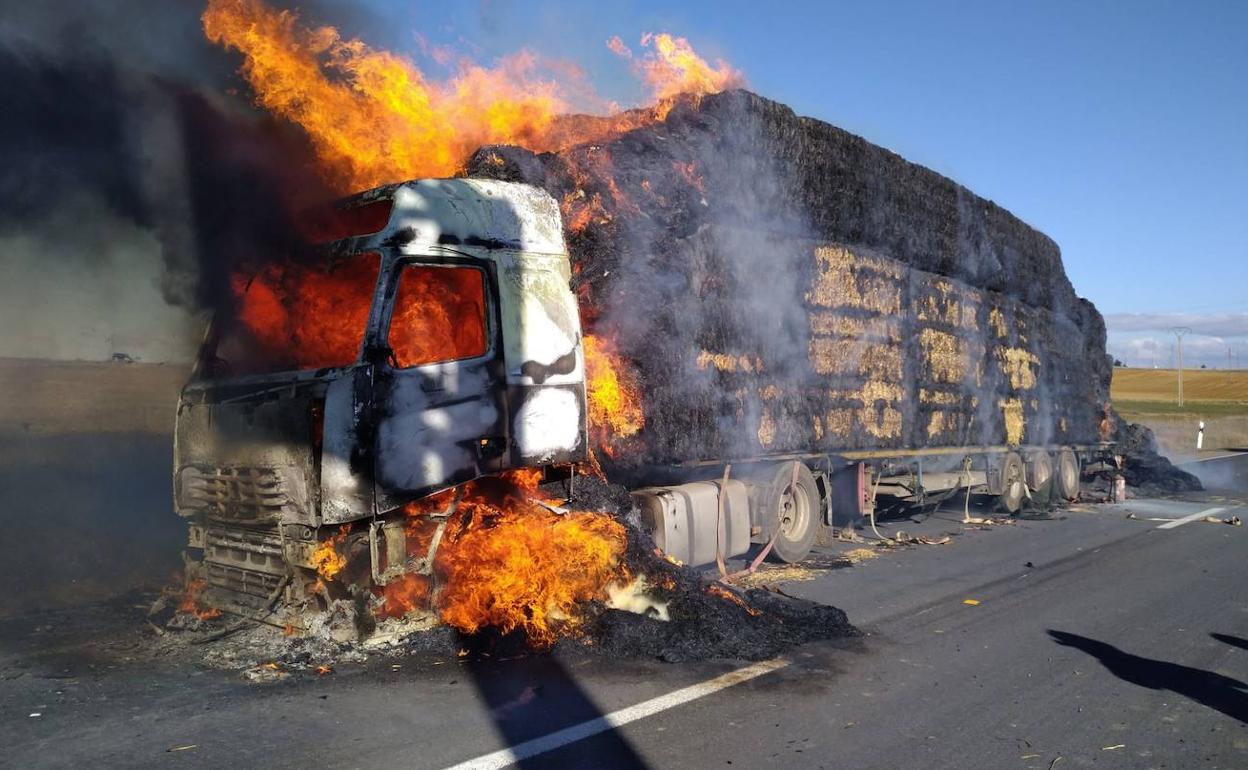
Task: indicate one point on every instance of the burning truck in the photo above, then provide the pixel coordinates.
(745, 325)
(378, 413)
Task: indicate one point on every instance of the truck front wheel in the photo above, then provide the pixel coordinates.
(795, 511)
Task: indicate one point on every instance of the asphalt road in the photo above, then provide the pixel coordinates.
(1102, 637)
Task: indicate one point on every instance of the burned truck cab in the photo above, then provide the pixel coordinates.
(432, 340)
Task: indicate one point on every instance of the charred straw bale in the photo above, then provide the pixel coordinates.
(782, 284)
(1144, 467)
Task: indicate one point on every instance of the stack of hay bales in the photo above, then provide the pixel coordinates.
(782, 285)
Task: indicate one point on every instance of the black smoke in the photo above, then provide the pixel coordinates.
(122, 112)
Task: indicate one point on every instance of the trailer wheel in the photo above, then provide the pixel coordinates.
(1039, 475)
(797, 508)
(1066, 480)
(1013, 484)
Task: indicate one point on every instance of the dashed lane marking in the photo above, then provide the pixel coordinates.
(1190, 518)
(579, 732)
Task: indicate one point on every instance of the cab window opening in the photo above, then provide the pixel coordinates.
(439, 315)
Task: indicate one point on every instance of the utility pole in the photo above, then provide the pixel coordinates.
(1179, 331)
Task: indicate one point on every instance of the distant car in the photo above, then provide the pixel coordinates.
(123, 358)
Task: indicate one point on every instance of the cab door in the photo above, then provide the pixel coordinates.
(440, 401)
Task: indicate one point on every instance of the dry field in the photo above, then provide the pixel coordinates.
(66, 397)
(1161, 385)
(1219, 398)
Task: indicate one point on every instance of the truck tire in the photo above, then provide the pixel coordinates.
(796, 509)
(1039, 467)
(1066, 478)
(1013, 484)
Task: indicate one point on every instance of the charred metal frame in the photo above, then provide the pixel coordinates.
(264, 463)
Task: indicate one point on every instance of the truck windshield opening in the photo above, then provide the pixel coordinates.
(296, 316)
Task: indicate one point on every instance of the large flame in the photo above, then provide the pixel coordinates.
(306, 316)
(379, 118)
(374, 117)
(673, 67)
(509, 562)
(615, 412)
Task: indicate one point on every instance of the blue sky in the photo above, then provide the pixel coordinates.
(1120, 129)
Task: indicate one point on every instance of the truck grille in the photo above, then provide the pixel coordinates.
(244, 494)
(245, 563)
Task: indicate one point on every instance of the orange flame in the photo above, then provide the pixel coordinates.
(190, 601)
(327, 559)
(1106, 427)
(374, 117)
(614, 397)
(583, 207)
(510, 563)
(439, 315)
(407, 594)
(690, 173)
(307, 317)
(506, 561)
(718, 591)
(673, 67)
(379, 119)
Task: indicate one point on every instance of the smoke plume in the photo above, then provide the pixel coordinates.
(129, 181)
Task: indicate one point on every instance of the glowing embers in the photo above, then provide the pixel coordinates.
(439, 315)
(597, 198)
(297, 315)
(615, 412)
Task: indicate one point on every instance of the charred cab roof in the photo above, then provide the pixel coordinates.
(424, 213)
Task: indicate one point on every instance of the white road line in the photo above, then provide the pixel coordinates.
(558, 739)
(1215, 457)
(1190, 518)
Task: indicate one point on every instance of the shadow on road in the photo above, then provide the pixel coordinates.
(1234, 641)
(1222, 693)
(533, 696)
